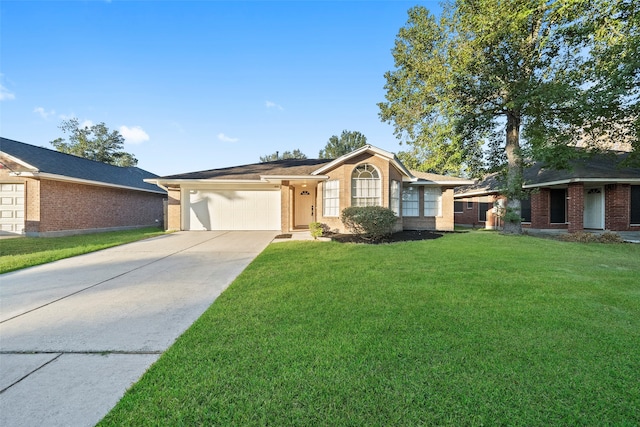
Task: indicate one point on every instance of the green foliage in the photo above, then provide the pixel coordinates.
(348, 142)
(295, 154)
(527, 79)
(430, 333)
(23, 252)
(372, 222)
(316, 229)
(94, 142)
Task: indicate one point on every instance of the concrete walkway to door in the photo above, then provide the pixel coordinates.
(76, 333)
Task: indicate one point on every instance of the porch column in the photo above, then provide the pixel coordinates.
(174, 209)
(575, 208)
(286, 207)
(540, 209)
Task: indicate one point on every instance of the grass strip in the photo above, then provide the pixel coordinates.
(21, 252)
(469, 329)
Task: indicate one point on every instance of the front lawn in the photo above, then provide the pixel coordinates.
(22, 252)
(468, 329)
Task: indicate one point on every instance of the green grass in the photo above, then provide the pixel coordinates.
(22, 252)
(469, 329)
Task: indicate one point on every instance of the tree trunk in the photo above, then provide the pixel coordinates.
(512, 215)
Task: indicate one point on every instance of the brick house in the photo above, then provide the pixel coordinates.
(47, 193)
(286, 195)
(597, 193)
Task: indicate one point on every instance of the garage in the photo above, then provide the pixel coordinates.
(11, 208)
(231, 209)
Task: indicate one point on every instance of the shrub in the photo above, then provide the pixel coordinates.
(371, 222)
(316, 229)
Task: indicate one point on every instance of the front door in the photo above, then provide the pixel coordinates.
(594, 208)
(304, 206)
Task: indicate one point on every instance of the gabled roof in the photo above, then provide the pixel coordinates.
(366, 149)
(604, 169)
(255, 171)
(434, 178)
(50, 164)
(301, 169)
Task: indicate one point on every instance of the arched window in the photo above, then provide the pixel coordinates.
(365, 186)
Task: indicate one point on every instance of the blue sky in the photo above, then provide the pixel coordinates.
(196, 85)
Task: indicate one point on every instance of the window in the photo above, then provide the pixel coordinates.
(331, 198)
(635, 204)
(469, 204)
(458, 207)
(395, 197)
(432, 201)
(525, 210)
(365, 186)
(410, 201)
(558, 206)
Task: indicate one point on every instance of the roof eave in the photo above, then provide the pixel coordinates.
(56, 177)
(20, 162)
(443, 182)
(584, 181)
(280, 178)
(364, 149)
(180, 181)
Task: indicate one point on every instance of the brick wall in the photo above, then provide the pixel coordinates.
(618, 208)
(469, 214)
(72, 206)
(575, 207)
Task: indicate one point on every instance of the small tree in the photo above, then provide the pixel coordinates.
(371, 222)
(347, 142)
(295, 154)
(94, 142)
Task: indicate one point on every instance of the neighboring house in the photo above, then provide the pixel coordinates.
(286, 195)
(47, 193)
(596, 193)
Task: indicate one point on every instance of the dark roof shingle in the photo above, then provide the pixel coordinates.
(607, 166)
(288, 167)
(57, 163)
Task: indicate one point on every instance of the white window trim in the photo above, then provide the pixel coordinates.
(409, 204)
(356, 200)
(438, 201)
(325, 208)
(394, 197)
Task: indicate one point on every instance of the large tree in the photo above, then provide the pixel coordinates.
(94, 142)
(531, 76)
(346, 143)
(295, 154)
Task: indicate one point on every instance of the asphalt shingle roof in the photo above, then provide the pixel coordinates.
(289, 167)
(57, 163)
(600, 167)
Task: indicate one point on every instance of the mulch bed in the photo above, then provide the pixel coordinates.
(401, 236)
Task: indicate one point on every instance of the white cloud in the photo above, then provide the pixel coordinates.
(134, 135)
(86, 124)
(43, 113)
(270, 104)
(224, 138)
(5, 95)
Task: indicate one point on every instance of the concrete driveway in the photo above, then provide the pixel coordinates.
(76, 333)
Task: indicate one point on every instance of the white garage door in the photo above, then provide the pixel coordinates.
(11, 208)
(233, 210)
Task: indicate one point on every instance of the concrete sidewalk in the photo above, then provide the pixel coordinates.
(76, 333)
